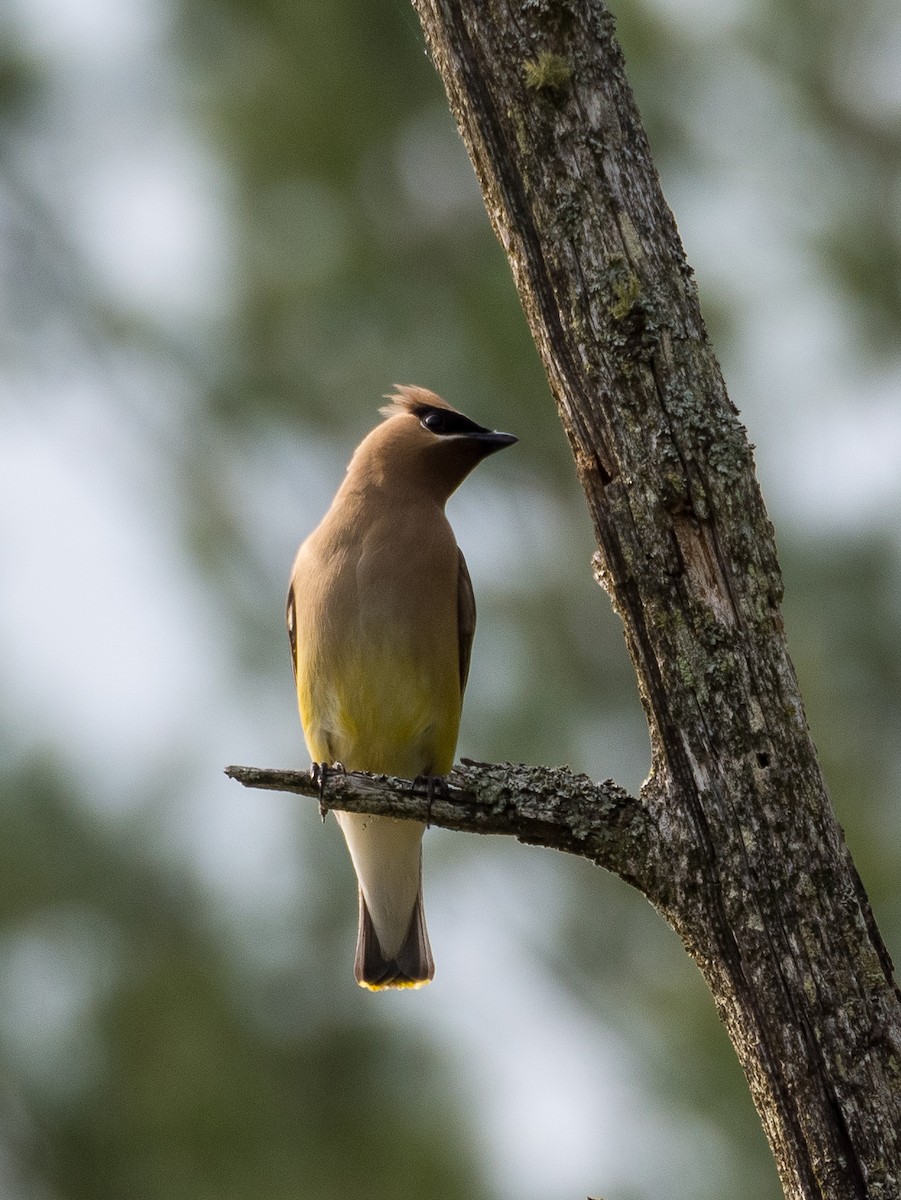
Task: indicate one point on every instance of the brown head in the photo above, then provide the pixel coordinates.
(424, 443)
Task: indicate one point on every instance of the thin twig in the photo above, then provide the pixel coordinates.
(538, 805)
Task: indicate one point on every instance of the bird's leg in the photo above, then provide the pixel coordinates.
(320, 772)
(432, 784)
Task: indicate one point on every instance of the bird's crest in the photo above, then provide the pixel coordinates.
(408, 399)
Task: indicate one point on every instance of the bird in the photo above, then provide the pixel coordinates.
(381, 617)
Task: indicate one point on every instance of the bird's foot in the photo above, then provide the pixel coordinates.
(320, 772)
(435, 785)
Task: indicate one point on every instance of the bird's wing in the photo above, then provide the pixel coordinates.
(291, 616)
(466, 619)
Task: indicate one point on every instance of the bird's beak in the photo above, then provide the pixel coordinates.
(491, 441)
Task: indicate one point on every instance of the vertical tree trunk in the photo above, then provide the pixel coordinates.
(757, 879)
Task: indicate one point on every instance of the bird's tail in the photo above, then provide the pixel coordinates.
(411, 967)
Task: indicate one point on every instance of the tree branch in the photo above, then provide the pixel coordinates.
(734, 837)
(536, 805)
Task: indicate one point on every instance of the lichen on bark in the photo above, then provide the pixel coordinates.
(756, 878)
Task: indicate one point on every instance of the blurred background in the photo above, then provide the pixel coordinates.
(226, 228)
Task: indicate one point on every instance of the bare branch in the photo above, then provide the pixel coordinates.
(538, 805)
(734, 838)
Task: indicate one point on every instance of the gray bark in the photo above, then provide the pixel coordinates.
(755, 875)
(540, 806)
(733, 837)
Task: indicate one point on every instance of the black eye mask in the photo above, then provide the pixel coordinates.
(443, 420)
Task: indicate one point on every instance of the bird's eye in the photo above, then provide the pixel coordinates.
(436, 421)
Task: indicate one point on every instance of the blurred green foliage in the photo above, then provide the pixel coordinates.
(172, 1088)
(178, 1065)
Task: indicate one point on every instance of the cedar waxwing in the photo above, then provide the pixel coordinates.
(381, 618)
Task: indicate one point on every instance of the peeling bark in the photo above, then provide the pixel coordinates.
(733, 837)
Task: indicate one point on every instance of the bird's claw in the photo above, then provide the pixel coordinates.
(319, 771)
(433, 784)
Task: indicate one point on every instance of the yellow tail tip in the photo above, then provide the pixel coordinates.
(395, 985)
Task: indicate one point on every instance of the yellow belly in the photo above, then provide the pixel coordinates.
(384, 713)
